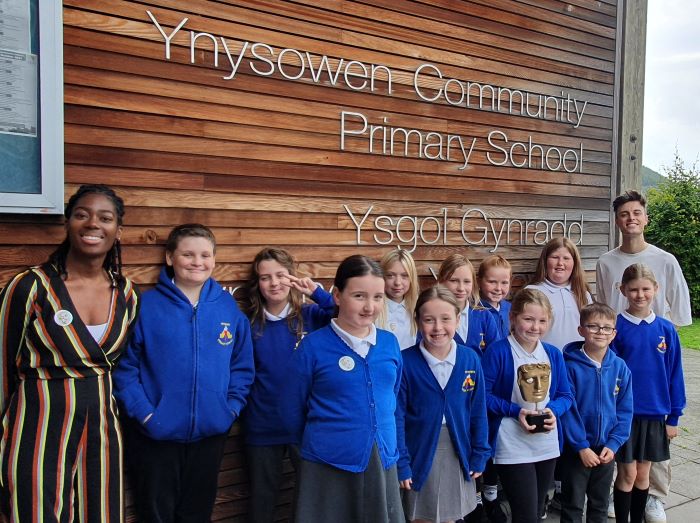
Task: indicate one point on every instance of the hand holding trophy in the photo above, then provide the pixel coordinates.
(533, 382)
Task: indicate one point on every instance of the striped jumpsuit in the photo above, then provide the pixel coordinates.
(61, 448)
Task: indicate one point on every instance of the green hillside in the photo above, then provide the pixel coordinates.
(650, 178)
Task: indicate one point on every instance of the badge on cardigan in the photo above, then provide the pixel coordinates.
(346, 363)
(63, 318)
(661, 347)
(225, 336)
(468, 384)
(617, 386)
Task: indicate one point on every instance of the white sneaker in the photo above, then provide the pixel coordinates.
(611, 507)
(654, 511)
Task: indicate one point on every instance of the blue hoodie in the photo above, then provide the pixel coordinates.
(190, 367)
(601, 415)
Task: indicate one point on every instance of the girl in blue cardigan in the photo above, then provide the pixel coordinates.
(525, 377)
(273, 301)
(340, 401)
(441, 420)
(476, 327)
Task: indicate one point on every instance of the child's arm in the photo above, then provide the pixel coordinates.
(676, 383)
(128, 388)
(296, 391)
(562, 398)
(573, 428)
(493, 364)
(624, 406)
(404, 463)
(241, 367)
(479, 440)
(323, 308)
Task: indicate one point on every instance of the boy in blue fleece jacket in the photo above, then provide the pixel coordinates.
(599, 422)
(183, 381)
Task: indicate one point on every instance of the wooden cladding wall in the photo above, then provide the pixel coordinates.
(258, 157)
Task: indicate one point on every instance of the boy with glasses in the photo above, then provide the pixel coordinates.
(599, 422)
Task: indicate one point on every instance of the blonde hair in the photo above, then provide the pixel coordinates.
(406, 260)
(450, 265)
(529, 297)
(436, 292)
(638, 271)
(579, 287)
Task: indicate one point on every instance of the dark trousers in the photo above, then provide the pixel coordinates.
(525, 486)
(265, 475)
(579, 481)
(174, 482)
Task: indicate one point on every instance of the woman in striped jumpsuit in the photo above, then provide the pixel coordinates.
(62, 327)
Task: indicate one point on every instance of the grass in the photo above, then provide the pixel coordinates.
(690, 335)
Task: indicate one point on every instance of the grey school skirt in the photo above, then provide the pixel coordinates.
(329, 494)
(445, 495)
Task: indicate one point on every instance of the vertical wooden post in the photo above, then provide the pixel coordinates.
(629, 99)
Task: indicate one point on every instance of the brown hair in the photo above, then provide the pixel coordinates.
(253, 303)
(638, 271)
(579, 287)
(529, 296)
(627, 197)
(436, 292)
(450, 265)
(597, 309)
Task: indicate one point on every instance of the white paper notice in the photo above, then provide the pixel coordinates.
(14, 25)
(18, 98)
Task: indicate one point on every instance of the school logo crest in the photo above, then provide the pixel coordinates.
(468, 384)
(225, 336)
(617, 386)
(482, 343)
(661, 347)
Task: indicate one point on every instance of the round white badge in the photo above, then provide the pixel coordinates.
(346, 363)
(63, 318)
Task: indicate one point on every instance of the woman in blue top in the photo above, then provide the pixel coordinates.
(476, 328)
(183, 381)
(441, 421)
(273, 301)
(525, 377)
(341, 402)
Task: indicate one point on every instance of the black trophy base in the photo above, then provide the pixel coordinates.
(538, 421)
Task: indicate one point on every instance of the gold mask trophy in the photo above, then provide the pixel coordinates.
(533, 382)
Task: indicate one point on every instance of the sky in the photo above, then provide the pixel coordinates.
(672, 83)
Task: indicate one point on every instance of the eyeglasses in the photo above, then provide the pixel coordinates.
(595, 329)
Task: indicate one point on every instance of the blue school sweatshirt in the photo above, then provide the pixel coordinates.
(273, 345)
(191, 367)
(339, 405)
(499, 374)
(652, 352)
(601, 415)
(422, 404)
(501, 317)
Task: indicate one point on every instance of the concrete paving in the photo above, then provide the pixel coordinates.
(683, 504)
